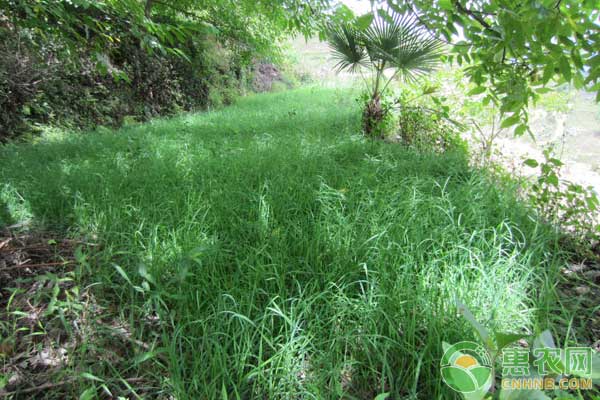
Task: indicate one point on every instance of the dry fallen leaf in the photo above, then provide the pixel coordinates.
(49, 357)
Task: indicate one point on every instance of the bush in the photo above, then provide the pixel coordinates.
(213, 76)
(424, 124)
(421, 128)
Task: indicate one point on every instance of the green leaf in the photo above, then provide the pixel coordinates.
(556, 162)
(505, 339)
(477, 90)
(364, 21)
(531, 163)
(500, 54)
(553, 179)
(576, 57)
(510, 121)
(458, 379)
(122, 273)
(565, 68)
(382, 396)
(544, 340)
(446, 4)
(145, 357)
(224, 395)
(88, 394)
(548, 72)
(87, 375)
(143, 271)
(520, 130)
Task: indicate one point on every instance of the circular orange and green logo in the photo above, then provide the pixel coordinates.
(466, 367)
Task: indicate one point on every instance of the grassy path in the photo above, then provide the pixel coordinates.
(268, 251)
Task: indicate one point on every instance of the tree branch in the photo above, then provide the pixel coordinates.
(432, 31)
(472, 14)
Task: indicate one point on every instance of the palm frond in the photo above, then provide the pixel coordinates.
(401, 43)
(417, 56)
(384, 35)
(348, 50)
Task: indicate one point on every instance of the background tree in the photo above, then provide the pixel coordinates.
(513, 49)
(161, 24)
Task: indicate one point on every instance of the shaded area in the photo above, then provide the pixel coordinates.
(52, 328)
(33, 270)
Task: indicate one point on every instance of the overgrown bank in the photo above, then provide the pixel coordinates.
(82, 64)
(40, 89)
(268, 250)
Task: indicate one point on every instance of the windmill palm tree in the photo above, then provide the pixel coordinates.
(390, 42)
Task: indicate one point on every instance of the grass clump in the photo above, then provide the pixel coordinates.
(268, 250)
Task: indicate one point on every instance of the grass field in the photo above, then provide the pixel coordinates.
(268, 250)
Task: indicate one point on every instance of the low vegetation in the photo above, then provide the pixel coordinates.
(265, 250)
(306, 244)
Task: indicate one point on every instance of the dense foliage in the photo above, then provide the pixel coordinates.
(513, 49)
(267, 249)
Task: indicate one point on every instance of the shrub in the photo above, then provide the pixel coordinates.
(567, 205)
(419, 127)
(417, 118)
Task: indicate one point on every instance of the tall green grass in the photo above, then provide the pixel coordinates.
(272, 252)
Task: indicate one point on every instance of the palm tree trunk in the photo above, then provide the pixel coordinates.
(378, 76)
(373, 113)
